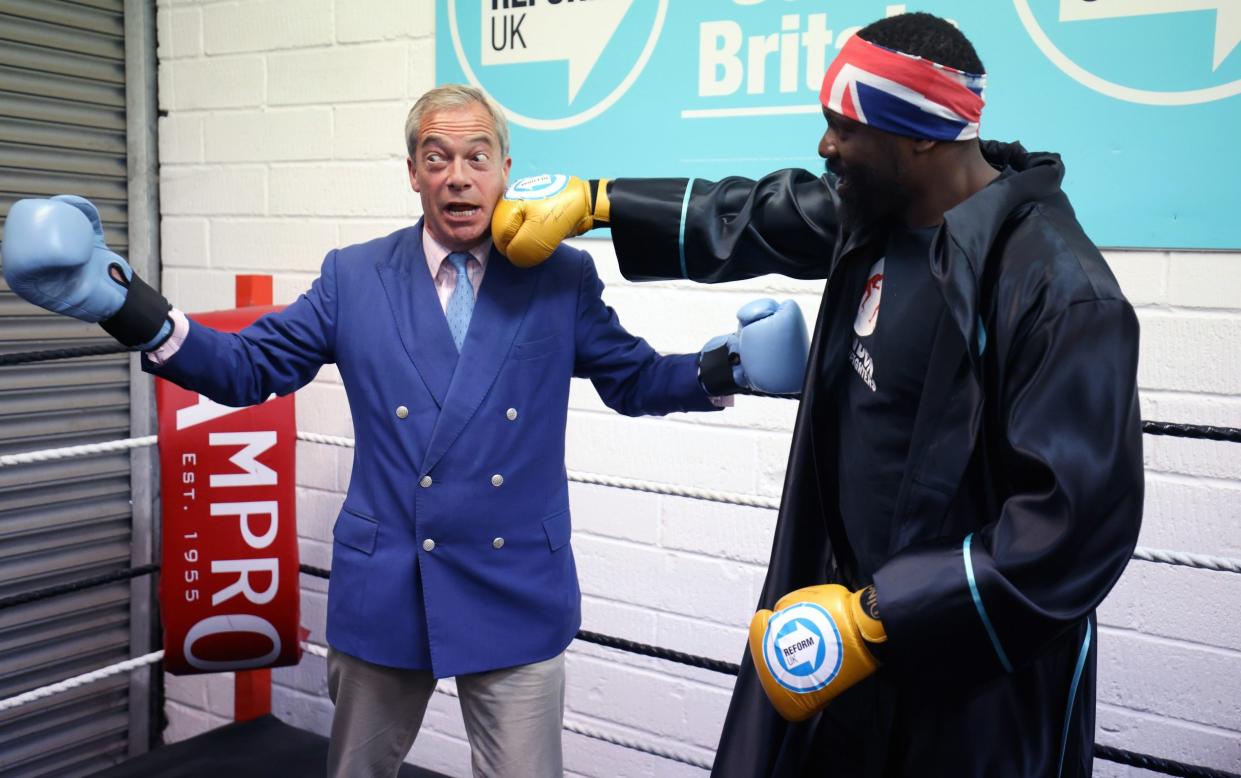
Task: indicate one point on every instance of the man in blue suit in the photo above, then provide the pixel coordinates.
(451, 553)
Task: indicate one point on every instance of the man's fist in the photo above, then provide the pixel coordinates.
(814, 646)
(766, 355)
(537, 213)
(55, 257)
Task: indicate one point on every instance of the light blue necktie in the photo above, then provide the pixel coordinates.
(461, 304)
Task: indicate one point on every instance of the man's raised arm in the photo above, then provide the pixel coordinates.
(708, 231)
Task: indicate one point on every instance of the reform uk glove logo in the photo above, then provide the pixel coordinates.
(802, 647)
(1153, 52)
(553, 64)
(537, 187)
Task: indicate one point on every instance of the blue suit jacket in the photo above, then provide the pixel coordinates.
(452, 550)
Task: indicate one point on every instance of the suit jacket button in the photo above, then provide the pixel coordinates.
(428, 545)
(497, 480)
(511, 414)
(497, 543)
(425, 481)
(401, 411)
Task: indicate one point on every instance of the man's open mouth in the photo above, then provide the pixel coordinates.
(836, 177)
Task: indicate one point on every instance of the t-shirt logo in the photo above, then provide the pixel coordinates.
(862, 363)
(868, 309)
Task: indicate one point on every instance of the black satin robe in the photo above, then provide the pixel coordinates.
(1022, 494)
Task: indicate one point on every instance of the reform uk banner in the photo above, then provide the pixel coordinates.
(228, 589)
(1142, 98)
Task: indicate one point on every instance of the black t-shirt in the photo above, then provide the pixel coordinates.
(879, 395)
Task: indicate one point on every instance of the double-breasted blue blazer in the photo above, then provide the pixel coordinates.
(451, 551)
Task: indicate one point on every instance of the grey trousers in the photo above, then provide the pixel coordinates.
(512, 718)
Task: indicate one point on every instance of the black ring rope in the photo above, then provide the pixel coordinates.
(1197, 431)
(1157, 765)
(630, 646)
(75, 586)
(1170, 429)
(317, 572)
(622, 644)
(1107, 753)
(25, 357)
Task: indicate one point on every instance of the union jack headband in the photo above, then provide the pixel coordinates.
(903, 94)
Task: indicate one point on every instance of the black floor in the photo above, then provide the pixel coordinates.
(263, 748)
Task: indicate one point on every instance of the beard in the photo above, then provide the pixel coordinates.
(867, 197)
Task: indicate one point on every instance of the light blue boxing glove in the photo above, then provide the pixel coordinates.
(766, 355)
(54, 256)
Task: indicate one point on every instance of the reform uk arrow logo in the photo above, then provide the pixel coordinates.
(1227, 16)
(573, 32)
(603, 45)
(1218, 82)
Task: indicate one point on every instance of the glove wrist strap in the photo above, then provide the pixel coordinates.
(715, 372)
(866, 614)
(140, 318)
(600, 205)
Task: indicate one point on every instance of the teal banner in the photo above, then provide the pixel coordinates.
(1140, 97)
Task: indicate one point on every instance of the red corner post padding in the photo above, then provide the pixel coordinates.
(229, 581)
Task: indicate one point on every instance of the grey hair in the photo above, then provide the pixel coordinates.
(451, 96)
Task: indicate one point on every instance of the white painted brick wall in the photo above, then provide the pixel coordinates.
(283, 139)
(264, 25)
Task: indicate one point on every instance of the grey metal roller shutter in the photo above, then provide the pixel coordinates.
(63, 129)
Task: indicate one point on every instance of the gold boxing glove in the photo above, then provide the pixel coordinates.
(814, 646)
(537, 213)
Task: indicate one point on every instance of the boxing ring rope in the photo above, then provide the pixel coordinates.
(81, 680)
(26, 357)
(1162, 556)
(450, 690)
(76, 586)
(69, 452)
(1195, 431)
(1108, 753)
(1170, 429)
